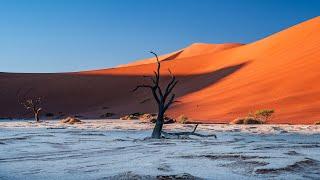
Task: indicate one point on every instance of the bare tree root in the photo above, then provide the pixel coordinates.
(184, 135)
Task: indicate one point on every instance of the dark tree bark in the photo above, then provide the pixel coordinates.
(36, 112)
(163, 97)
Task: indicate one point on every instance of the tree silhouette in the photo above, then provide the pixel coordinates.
(163, 97)
(32, 103)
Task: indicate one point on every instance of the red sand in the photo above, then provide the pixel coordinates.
(217, 83)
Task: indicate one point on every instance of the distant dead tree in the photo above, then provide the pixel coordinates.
(32, 103)
(163, 97)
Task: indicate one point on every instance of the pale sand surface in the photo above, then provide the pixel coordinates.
(110, 149)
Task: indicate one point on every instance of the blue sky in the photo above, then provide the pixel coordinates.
(73, 35)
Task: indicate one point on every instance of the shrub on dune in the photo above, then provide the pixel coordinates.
(259, 117)
(252, 120)
(317, 123)
(264, 114)
(247, 120)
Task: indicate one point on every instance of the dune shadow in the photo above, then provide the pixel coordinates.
(70, 93)
(175, 55)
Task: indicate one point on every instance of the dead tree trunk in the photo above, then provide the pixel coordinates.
(163, 98)
(156, 133)
(36, 114)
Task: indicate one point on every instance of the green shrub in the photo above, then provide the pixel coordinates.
(247, 120)
(264, 114)
(252, 120)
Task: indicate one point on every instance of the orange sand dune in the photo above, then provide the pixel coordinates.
(217, 83)
(190, 51)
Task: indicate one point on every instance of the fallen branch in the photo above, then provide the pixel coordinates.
(180, 135)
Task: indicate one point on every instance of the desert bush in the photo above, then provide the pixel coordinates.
(148, 116)
(137, 114)
(252, 120)
(182, 119)
(317, 123)
(133, 116)
(247, 120)
(264, 114)
(152, 118)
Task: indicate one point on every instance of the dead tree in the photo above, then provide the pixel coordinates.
(31, 103)
(163, 97)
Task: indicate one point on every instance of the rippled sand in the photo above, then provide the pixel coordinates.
(115, 149)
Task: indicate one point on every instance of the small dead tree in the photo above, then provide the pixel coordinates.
(163, 97)
(31, 103)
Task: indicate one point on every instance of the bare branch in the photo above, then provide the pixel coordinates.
(170, 73)
(153, 80)
(183, 134)
(169, 90)
(141, 86)
(172, 86)
(154, 93)
(157, 73)
(160, 92)
(169, 102)
(195, 128)
(156, 58)
(145, 100)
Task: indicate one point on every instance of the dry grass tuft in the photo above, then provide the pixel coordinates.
(182, 119)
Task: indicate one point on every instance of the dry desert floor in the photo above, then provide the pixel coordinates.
(118, 149)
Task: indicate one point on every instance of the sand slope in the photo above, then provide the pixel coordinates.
(217, 83)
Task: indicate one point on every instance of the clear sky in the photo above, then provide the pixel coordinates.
(73, 35)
